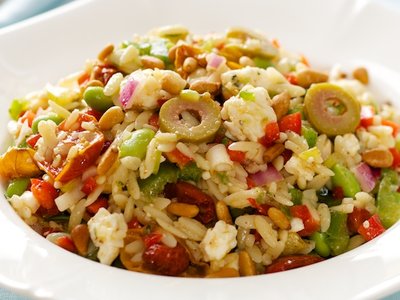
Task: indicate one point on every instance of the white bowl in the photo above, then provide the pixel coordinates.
(53, 45)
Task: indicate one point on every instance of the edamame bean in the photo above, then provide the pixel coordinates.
(137, 144)
(52, 117)
(95, 98)
(17, 187)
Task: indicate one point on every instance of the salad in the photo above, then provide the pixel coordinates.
(220, 155)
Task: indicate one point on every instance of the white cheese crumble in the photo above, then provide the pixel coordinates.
(25, 205)
(218, 241)
(247, 114)
(107, 232)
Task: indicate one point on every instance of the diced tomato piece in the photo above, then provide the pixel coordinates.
(250, 183)
(154, 120)
(28, 115)
(366, 122)
(89, 185)
(291, 262)
(151, 239)
(66, 243)
(96, 205)
(262, 209)
(32, 140)
(292, 78)
(396, 157)
(46, 213)
(47, 230)
(371, 228)
(44, 192)
(291, 122)
(271, 134)
(134, 223)
(310, 224)
(160, 102)
(238, 156)
(392, 124)
(356, 218)
(178, 157)
(287, 154)
(94, 113)
(257, 235)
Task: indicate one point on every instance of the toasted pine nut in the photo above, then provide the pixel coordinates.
(307, 77)
(279, 218)
(80, 237)
(361, 74)
(107, 160)
(246, 264)
(273, 152)
(224, 273)
(172, 83)
(189, 64)
(202, 86)
(246, 61)
(105, 52)
(281, 104)
(151, 62)
(234, 65)
(183, 209)
(114, 115)
(378, 158)
(223, 212)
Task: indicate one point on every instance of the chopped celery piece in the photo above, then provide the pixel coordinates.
(190, 172)
(311, 153)
(17, 107)
(388, 199)
(17, 187)
(297, 196)
(154, 185)
(345, 179)
(337, 235)
(310, 135)
(247, 96)
(262, 62)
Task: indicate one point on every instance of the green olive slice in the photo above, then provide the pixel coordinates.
(205, 110)
(331, 110)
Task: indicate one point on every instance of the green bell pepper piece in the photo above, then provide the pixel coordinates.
(345, 179)
(337, 235)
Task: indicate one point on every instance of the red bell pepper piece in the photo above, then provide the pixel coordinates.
(356, 218)
(310, 224)
(291, 122)
(396, 157)
(96, 205)
(392, 124)
(271, 134)
(44, 192)
(32, 140)
(89, 185)
(238, 156)
(178, 157)
(371, 228)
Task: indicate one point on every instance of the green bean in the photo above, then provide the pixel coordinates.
(52, 117)
(95, 98)
(136, 144)
(345, 179)
(17, 187)
(321, 245)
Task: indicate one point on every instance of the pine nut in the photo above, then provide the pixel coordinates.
(361, 74)
(114, 115)
(234, 65)
(105, 52)
(151, 62)
(80, 237)
(281, 104)
(189, 64)
(378, 158)
(273, 152)
(183, 209)
(223, 212)
(224, 273)
(246, 264)
(202, 86)
(107, 160)
(279, 218)
(307, 77)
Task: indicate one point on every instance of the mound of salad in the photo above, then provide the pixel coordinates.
(220, 155)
